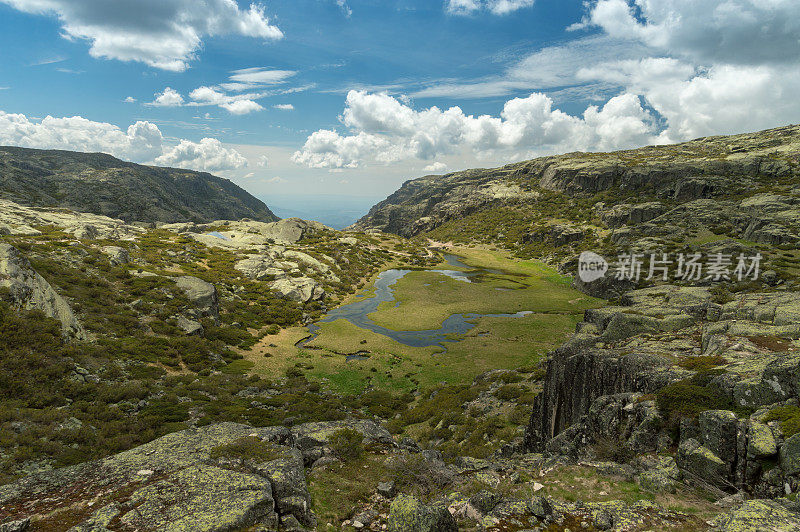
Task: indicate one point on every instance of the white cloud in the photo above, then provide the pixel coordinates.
(712, 31)
(129, 99)
(168, 98)
(435, 167)
(284, 107)
(384, 130)
(260, 76)
(276, 180)
(208, 154)
(241, 107)
(495, 7)
(263, 161)
(344, 7)
(141, 142)
(164, 34)
(503, 7)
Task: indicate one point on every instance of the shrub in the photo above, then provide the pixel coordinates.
(246, 448)
(702, 363)
(347, 444)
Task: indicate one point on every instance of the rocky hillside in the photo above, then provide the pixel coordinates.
(741, 190)
(101, 184)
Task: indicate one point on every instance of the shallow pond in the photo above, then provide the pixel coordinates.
(456, 324)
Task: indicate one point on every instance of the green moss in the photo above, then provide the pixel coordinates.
(789, 418)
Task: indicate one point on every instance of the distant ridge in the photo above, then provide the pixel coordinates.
(101, 184)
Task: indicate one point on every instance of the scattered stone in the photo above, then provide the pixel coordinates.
(387, 489)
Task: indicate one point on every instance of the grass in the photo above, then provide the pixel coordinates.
(495, 343)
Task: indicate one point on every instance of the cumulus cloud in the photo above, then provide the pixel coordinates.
(495, 7)
(284, 107)
(208, 154)
(753, 32)
(241, 107)
(141, 142)
(263, 161)
(129, 99)
(435, 167)
(384, 130)
(713, 67)
(164, 34)
(169, 97)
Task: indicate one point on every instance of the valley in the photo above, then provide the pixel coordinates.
(437, 366)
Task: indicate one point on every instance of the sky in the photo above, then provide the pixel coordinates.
(350, 98)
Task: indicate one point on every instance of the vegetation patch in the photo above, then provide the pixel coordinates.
(789, 418)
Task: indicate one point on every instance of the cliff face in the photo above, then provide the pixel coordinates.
(101, 184)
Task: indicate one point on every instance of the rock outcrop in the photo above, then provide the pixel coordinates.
(219, 477)
(31, 291)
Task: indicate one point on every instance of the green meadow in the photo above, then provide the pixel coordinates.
(426, 299)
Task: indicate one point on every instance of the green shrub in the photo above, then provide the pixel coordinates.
(347, 444)
(246, 448)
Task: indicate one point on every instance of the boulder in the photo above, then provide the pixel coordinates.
(190, 327)
(790, 455)
(760, 441)
(201, 294)
(31, 291)
(703, 464)
(302, 289)
(116, 255)
(408, 514)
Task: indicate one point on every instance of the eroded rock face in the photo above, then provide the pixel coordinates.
(31, 291)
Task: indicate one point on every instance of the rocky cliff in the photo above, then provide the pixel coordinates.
(101, 184)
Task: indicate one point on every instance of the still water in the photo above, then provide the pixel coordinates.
(456, 324)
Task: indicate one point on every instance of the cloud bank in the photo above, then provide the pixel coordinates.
(142, 142)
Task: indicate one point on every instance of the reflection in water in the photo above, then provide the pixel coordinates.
(218, 235)
(457, 324)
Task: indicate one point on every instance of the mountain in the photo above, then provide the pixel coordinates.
(101, 184)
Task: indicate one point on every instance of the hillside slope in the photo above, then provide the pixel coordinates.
(735, 194)
(102, 184)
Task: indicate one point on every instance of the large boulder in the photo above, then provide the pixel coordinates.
(408, 514)
(201, 294)
(302, 289)
(31, 291)
(291, 230)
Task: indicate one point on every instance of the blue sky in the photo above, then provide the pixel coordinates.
(354, 97)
